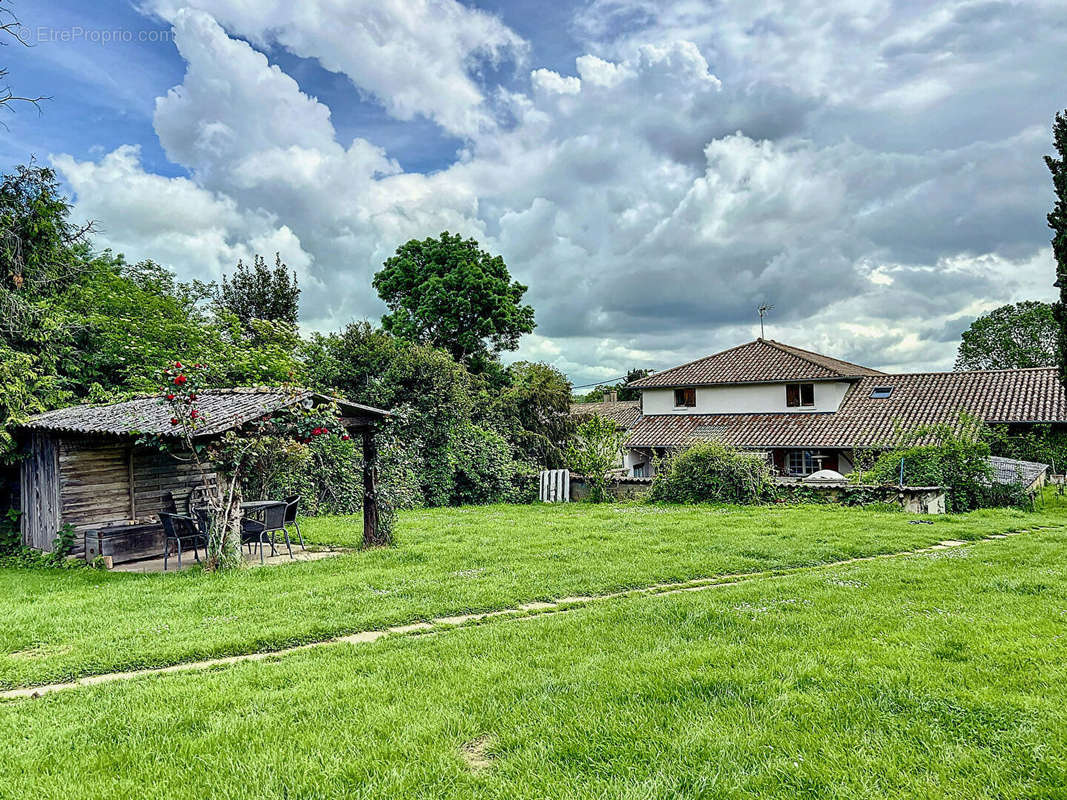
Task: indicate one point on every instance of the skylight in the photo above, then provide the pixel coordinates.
(881, 392)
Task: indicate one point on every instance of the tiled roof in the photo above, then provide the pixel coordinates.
(623, 413)
(1020, 395)
(761, 361)
(220, 410)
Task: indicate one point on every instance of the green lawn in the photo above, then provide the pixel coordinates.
(941, 675)
(62, 624)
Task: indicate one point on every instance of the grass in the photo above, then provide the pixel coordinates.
(62, 624)
(934, 676)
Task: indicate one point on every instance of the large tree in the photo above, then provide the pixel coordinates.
(1010, 337)
(1057, 221)
(449, 293)
(261, 292)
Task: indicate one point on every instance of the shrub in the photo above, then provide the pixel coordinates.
(1040, 443)
(595, 452)
(10, 534)
(711, 472)
(483, 466)
(953, 456)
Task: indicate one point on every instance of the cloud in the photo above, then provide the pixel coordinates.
(694, 163)
(172, 220)
(412, 56)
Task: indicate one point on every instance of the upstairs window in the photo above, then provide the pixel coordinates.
(685, 398)
(798, 395)
(881, 392)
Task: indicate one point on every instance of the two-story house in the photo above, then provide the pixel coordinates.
(809, 411)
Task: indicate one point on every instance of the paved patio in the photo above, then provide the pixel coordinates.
(156, 564)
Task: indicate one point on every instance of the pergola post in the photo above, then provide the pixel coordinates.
(371, 536)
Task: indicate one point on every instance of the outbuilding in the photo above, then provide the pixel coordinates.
(89, 466)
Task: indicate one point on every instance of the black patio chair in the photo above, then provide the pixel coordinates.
(169, 504)
(260, 532)
(292, 504)
(178, 528)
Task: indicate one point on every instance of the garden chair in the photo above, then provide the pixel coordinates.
(260, 532)
(291, 506)
(178, 528)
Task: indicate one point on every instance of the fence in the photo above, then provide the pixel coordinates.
(555, 486)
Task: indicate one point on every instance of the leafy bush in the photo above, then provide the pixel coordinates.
(1040, 443)
(595, 452)
(955, 456)
(483, 466)
(10, 534)
(711, 472)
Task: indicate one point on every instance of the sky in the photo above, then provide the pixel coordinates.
(653, 171)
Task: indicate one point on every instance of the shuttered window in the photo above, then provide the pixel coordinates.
(685, 398)
(799, 394)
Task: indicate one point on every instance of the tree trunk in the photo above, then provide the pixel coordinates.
(224, 538)
(374, 534)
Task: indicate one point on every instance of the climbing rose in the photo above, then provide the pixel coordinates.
(346, 437)
(194, 413)
(170, 397)
(177, 365)
(180, 380)
(173, 420)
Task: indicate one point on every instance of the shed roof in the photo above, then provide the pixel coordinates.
(220, 409)
(623, 413)
(997, 396)
(760, 361)
(1012, 470)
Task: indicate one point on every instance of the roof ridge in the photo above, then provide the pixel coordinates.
(961, 372)
(697, 360)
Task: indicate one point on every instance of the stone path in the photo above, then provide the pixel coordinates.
(525, 611)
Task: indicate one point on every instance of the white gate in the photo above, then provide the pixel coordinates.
(555, 486)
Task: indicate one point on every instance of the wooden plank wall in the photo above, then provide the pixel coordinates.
(94, 484)
(156, 473)
(39, 492)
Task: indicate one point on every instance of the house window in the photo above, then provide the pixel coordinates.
(799, 394)
(685, 398)
(641, 471)
(881, 392)
(800, 463)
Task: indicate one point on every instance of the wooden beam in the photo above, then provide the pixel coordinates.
(372, 537)
(133, 490)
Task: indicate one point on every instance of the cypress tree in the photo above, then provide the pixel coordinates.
(1057, 221)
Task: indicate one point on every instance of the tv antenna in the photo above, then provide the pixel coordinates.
(763, 309)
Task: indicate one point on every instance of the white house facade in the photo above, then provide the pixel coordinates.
(808, 411)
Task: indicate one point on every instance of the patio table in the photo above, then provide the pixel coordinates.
(258, 505)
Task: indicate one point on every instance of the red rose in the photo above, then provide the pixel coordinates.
(345, 438)
(180, 380)
(170, 397)
(177, 365)
(192, 396)
(194, 413)
(173, 420)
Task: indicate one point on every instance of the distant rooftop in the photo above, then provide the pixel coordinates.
(623, 413)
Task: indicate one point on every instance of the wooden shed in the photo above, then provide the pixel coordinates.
(82, 465)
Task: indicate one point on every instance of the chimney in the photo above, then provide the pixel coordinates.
(611, 397)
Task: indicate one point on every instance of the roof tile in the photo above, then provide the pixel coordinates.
(761, 361)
